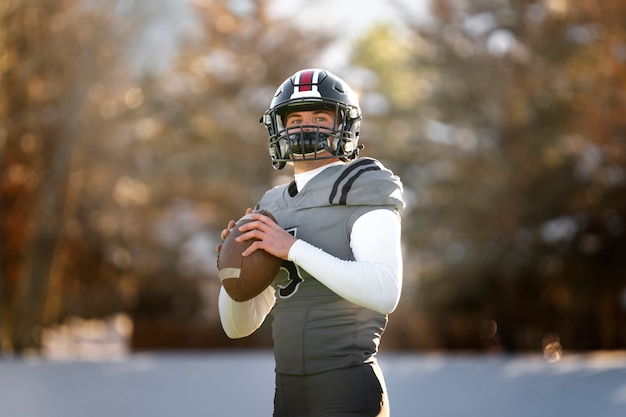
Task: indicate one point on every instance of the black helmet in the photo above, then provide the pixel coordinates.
(313, 89)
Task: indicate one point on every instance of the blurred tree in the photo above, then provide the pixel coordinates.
(57, 60)
(512, 138)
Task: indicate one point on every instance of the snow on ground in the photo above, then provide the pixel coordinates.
(241, 384)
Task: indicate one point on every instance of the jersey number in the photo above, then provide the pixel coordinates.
(293, 276)
(294, 280)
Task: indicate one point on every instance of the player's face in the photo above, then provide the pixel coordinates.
(320, 121)
(321, 118)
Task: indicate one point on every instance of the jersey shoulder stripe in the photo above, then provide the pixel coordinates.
(347, 178)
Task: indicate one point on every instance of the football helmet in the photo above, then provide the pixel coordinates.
(313, 89)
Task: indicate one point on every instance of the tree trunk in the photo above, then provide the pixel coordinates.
(48, 229)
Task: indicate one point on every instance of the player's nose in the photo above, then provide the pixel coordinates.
(309, 124)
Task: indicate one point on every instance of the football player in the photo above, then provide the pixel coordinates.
(338, 232)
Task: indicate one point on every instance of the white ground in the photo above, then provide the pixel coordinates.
(220, 384)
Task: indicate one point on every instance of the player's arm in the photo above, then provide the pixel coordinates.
(241, 319)
(374, 279)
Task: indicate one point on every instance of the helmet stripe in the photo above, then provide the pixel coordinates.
(306, 80)
(306, 84)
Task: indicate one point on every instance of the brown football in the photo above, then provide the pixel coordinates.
(245, 277)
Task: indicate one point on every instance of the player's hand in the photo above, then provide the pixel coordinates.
(270, 236)
(226, 231)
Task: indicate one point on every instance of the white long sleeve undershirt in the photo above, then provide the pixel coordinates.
(241, 319)
(373, 280)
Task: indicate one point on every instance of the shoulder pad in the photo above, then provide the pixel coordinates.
(367, 182)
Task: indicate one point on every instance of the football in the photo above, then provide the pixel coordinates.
(245, 277)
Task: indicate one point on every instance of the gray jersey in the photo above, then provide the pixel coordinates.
(314, 329)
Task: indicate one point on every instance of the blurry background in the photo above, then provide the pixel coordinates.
(129, 136)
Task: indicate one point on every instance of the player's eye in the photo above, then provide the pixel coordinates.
(324, 120)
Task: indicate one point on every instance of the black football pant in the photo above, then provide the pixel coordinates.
(350, 392)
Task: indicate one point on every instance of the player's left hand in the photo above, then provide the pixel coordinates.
(271, 237)
(226, 231)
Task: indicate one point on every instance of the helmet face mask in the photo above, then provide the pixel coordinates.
(306, 90)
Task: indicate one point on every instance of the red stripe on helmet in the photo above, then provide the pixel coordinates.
(306, 80)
